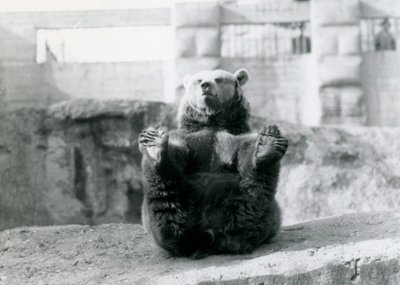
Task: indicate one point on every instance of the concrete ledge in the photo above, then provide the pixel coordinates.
(351, 249)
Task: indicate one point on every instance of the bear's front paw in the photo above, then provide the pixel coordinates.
(152, 143)
(270, 146)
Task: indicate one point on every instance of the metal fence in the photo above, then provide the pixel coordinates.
(265, 40)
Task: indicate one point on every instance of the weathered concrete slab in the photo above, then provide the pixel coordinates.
(352, 249)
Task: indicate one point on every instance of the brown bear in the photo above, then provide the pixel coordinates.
(209, 186)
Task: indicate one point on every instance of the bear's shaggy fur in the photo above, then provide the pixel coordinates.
(210, 185)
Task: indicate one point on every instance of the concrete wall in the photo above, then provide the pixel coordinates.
(133, 80)
(380, 75)
(34, 85)
(380, 80)
(279, 89)
(336, 45)
(29, 84)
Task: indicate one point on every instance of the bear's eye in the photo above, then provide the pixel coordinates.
(219, 80)
(198, 81)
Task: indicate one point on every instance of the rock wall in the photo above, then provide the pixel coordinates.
(22, 169)
(93, 156)
(332, 171)
(78, 162)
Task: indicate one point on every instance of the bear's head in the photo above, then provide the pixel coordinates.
(215, 99)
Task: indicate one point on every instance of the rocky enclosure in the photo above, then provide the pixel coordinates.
(78, 162)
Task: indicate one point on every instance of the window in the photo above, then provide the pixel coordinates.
(111, 44)
(265, 40)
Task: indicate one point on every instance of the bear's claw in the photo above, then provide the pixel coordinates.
(271, 130)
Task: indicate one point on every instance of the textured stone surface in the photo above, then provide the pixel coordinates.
(77, 162)
(331, 171)
(352, 249)
(22, 169)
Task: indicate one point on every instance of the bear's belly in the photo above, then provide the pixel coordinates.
(213, 186)
(209, 155)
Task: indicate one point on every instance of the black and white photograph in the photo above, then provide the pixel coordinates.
(212, 142)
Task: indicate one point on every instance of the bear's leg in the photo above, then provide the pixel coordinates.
(257, 212)
(163, 164)
(261, 162)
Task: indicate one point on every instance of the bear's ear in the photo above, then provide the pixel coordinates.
(242, 75)
(187, 79)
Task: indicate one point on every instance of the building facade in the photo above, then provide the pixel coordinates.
(311, 62)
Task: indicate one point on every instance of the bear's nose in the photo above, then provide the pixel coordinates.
(205, 85)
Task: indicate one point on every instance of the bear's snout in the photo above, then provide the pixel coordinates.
(206, 86)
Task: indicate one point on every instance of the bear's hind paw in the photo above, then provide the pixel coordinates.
(270, 145)
(152, 142)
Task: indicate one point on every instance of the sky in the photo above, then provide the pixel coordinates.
(65, 5)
